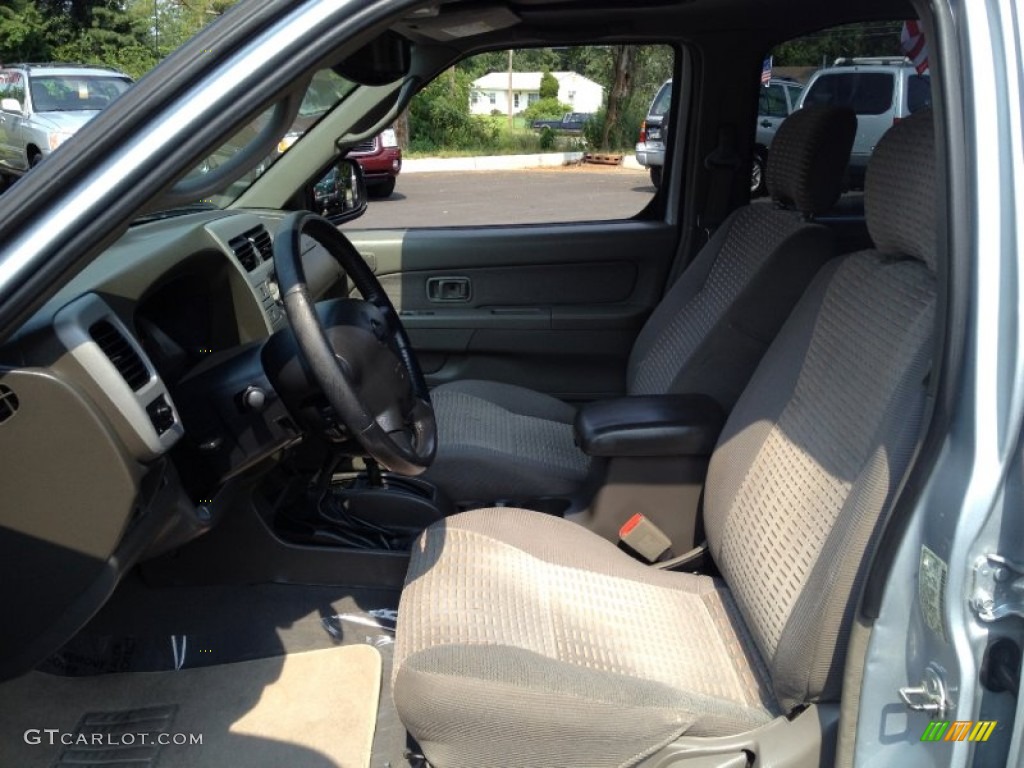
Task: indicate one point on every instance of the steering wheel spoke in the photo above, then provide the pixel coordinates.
(364, 364)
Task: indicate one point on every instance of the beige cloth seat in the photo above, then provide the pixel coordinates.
(525, 640)
(499, 441)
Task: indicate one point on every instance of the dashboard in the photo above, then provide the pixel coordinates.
(127, 401)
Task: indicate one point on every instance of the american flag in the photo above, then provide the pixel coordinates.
(912, 43)
(766, 71)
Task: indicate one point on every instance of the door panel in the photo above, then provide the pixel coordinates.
(552, 307)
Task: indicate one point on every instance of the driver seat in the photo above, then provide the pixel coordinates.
(526, 640)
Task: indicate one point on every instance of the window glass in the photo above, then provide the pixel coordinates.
(12, 86)
(919, 92)
(866, 93)
(73, 93)
(553, 139)
(773, 101)
(663, 101)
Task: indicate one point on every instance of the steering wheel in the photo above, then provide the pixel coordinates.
(370, 375)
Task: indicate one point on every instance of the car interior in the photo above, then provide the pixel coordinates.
(566, 494)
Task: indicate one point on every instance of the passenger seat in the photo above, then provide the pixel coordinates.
(499, 441)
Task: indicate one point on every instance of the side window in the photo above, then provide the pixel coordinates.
(919, 92)
(12, 86)
(773, 101)
(538, 135)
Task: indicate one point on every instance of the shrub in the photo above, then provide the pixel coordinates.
(547, 139)
(545, 109)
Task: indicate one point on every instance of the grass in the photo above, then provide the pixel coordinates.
(515, 139)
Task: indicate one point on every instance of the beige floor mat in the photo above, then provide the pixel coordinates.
(305, 710)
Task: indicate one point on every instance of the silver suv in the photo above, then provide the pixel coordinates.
(42, 105)
(650, 149)
(882, 91)
(777, 100)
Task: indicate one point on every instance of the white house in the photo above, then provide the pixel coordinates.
(491, 92)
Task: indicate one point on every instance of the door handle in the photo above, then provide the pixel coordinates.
(449, 289)
(766, 123)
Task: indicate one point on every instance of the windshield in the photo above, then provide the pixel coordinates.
(325, 91)
(72, 93)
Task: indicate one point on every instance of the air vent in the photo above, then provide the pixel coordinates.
(252, 248)
(121, 354)
(245, 252)
(8, 403)
(261, 239)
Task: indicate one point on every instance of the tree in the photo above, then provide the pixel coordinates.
(439, 115)
(23, 32)
(822, 48)
(548, 85)
(621, 88)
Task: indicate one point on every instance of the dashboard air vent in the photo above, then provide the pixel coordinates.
(8, 403)
(121, 354)
(252, 248)
(245, 252)
(264, 245)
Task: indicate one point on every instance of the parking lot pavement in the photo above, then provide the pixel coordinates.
(573, 193)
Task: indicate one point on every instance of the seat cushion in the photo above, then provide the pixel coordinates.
(498, 441)
(520, 633)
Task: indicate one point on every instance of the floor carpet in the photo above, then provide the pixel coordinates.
(302, 710)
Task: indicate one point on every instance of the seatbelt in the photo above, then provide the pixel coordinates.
(722, 162)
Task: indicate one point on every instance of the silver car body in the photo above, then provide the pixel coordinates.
(651, 151)
(880, 91)
(776, 101)
(54, 101)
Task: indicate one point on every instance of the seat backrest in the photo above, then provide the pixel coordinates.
(712, 327)
(815, 447)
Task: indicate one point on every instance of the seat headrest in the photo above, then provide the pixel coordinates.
(809, 154)
(899, 190)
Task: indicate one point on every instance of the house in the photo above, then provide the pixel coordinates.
(491, 92)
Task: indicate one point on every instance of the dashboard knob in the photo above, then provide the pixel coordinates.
(255, 399)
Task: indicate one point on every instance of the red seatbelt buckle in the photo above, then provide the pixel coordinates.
(645, 538)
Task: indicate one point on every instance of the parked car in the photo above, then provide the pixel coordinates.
(43, 105)
(570, 122)
(381, 161)
(650, 149)
(380, 157)
(777, 100)
(882, 91)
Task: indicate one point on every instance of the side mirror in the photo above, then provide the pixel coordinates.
(340, 194)
(11, 105)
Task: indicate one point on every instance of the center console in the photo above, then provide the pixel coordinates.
(656, 449)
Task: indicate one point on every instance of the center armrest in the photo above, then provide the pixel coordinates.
(650, 425)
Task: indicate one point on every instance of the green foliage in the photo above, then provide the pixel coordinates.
(548, 86)
(547, 139)
(545, 109)
(131, 36)
(623, 135)
(439, 115)
(23, 32)
(822, 48)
